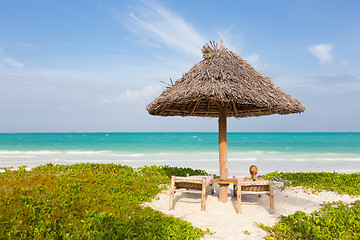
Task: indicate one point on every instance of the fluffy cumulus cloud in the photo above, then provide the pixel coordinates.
(322, 52)
(163, 27)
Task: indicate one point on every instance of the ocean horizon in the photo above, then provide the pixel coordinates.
(270, 151)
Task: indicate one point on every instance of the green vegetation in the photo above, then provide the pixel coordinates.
(181, 172)
(247, 232)
(336, 220)
(103, 201)
(86, 201)
(318, 181)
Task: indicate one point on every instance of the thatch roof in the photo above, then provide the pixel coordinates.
(223, 78)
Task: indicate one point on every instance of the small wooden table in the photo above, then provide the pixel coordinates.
(224, 183)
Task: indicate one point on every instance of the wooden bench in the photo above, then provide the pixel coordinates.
(191, 184)
(254, 188)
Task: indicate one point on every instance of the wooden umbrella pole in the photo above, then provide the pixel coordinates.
(223, 153)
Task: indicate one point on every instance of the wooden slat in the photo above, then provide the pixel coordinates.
(182, 105)
(172, 193)
(254, 193)
(217, 104)
(204, 112)
(184, 184)
(213, 112)
(235, 110)
(196, 105)
(203, 194)
(188, 191)
(196, 181)
(254, 188)
(189, 106)
(272, 211)
(161, 112)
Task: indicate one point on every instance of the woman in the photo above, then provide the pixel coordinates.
(253, 172)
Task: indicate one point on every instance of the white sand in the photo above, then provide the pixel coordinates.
(223, 219)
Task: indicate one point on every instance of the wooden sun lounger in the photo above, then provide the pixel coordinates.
(191, 184)
(254, 188)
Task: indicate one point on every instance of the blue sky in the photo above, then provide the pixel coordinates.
(86, 65)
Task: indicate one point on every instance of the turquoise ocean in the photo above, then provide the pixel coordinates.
(315, 152)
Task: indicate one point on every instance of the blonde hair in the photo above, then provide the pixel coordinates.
(253, 171)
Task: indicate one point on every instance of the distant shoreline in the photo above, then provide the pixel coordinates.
(178, 132)
(269, 151)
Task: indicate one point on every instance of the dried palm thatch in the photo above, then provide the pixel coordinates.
(223, 79)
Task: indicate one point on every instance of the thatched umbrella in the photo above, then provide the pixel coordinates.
(223, 85)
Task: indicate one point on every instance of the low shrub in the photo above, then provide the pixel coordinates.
(181, 171)
(317, 181)
(86, 201)
(335, 220)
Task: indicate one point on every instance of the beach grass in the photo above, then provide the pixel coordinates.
(318, 181)
(86, 201)
(335, 220)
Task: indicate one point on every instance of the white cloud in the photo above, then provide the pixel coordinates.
(162, 26)
(341, 64)
(13, 63)
(50, 75)
(253, 59)
(232, 39)
(322, 51)
(272, 70)
(131, 96)
(269, 70)
(25, 45)
(337, 84)
(4, 60)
